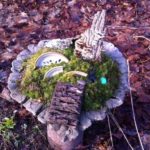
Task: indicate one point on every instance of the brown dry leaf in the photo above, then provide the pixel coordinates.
(134, 57)
(144, 98)
(23, 113)
(7, 56)
(5, 94)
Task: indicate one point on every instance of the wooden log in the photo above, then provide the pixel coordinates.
(65, 107)
(65, 111)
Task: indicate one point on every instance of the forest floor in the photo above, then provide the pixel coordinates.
(128, 27)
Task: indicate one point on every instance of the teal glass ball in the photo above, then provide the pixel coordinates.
(103, 80)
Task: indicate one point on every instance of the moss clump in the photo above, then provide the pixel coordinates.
(35, 86)
(96, 93)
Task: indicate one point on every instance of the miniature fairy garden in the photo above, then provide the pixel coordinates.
(69, 83)
(37, 70)
(101, 77)
(63, 67)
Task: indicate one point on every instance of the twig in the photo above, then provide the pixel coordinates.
(141, 36)
(145, 60)
(132, 105)
(110, 132)
(128, 27)
(117, 124)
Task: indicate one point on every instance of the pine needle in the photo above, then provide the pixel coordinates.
(121, 130)
(132, 105)
(110, 132)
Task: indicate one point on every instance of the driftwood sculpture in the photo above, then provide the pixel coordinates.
(89, 45)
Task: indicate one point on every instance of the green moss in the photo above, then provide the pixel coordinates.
(35, 86)
(96, 93)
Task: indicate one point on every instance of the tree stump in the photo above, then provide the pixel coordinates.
(63, 116)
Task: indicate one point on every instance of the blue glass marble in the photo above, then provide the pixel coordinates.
(103, 80)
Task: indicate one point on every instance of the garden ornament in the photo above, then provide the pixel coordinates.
(54, 71)
(89, 45)
(65, 121)
(103, 80)
(49, 58)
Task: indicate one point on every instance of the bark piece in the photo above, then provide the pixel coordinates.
(66, 105)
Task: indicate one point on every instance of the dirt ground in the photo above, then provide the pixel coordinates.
(128, 27)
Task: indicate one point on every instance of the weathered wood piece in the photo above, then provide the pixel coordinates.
(66, 105)
(89, 45)
(63, 116)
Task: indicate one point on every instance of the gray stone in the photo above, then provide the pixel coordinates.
(114, 102)
(33, 106)
(120, 93)
(85, 122)
(17, 65)
(124, 81)
(32, 48)
(121, 60)
(12, 86)
(108, 48)
(56, 43)
(18, 97)
(13, 81)
(23, 55)
(116, 54)
(13, 77)
(41, 116)
(123, 68)
(122, 63)
(96, 115)
(13, 70)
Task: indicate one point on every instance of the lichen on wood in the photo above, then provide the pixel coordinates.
(89, 45)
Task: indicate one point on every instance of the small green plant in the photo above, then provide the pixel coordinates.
(8, 123)
(5, 128)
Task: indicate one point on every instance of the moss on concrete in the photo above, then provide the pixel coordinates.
(35, 86)
(97, 93)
